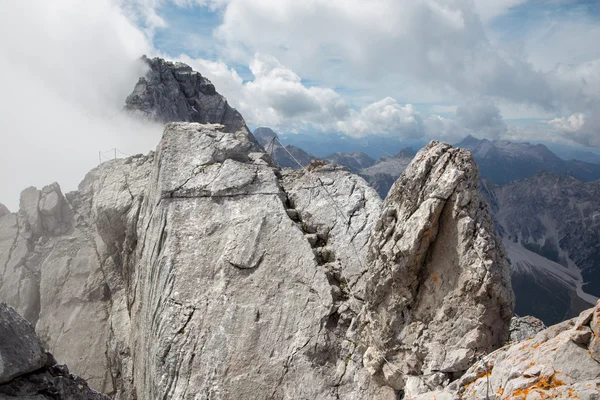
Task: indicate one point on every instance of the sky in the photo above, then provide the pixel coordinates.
(524, 70)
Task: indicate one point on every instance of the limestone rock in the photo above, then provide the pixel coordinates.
(20, 349)
(522, 328)
(438, 291)
(61, 260)
(172, 92)
(229, 299)
(557, 362)
(342, 209)
(3, 210)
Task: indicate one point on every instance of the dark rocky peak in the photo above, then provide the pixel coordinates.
(174, 92)
(264, 135)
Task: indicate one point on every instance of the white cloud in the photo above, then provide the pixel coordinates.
(278, 98)
(481, 117)
(65, 70)
(384, 117)
(571, 124)
(438, 43)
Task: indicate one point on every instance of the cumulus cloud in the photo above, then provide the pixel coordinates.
(481, 117)
(384, 117)
(278, 98)
(571, 124)
(442, 43)
(66, 68)
(579, 128)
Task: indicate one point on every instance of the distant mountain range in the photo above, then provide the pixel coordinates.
(501, 161)
(547, 210)
(287, 157)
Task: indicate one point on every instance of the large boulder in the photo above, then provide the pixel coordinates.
(20, 349)
(438, 292)
(27, 372)
(522, 328)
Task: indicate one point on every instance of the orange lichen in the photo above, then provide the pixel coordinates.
(435, 278)
(542, 384)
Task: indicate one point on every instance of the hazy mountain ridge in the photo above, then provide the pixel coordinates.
(502, 161)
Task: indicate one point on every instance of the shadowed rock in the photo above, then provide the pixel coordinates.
(27, 372)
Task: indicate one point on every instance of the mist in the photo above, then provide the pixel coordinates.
(66, 68)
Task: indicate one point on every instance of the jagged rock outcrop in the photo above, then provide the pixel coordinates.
(560, 362)
(20, 349)
(27, 372)
(173, 92)
(285, 157)
(230, 300)
(438, 292)
(522, 328)
(62, 267)
(4, 210)
(204, 269)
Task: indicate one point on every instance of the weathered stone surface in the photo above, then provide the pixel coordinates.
(59, 259)
(522, 328)
(556, 363)
(343, 209)
(172, 92)
(3, 210)
(229, 299)
(20, 349)
(438, 292)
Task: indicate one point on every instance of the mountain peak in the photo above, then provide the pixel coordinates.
(174, 92)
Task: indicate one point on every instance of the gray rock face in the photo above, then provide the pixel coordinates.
(20, 349)
(4, 210)
(560, 362)
(205, 269)
(230, 299)
(340, 209)
(61, 264)
(285, 157)
(522, 328)
(438, 291)
(173, 92)
(27, 372)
